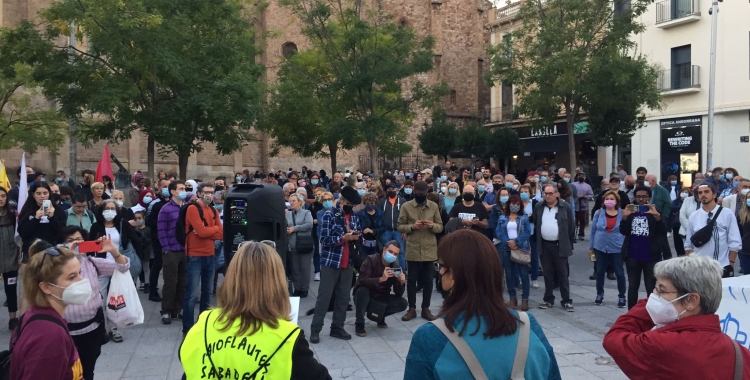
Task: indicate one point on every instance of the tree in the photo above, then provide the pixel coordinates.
(473, 139)
(504, 144)
(183, 72)
(551, 58)
(369, 59)
(438, 138)
(25, 120)
(614, 120)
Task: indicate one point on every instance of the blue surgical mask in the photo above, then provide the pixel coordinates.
(443, 178)
(328, 205)
(58, 179)
(369, 207)
(544, 179)
(747, 202)
(389, 257)
(336, 195)
(729, 175)
(722, 176)
(481, 188)
(452, 191)
(43, 179)
(504, 199)
(735, 184)
(509, 185)
(219, 207)
(165, 192)
(524, 197)
(147, 200)
(672, 183)
(361, 192)
(407, 190)
(238, 178)
(566, 180)
(182, 195)
(314, 181)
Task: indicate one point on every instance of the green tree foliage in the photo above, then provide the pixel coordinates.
(473, 139)
(183, 72)
(439, 137)
(26, 119)
(368, 59)
(556, 53)
(504, 143)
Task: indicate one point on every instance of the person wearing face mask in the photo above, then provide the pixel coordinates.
(378, 275)
(671, 334)
(152, 214)
(491, 198)
(733, 181)
(606, 246)
(497, 211)
(735, 201)
(173, 258)
(743, 219)
(340, 236)
(420, 221)
(86, 321)
(373, 224)
(513, 232)
(482, 191)
(451, 196)
(42, 346)
(391, 207)
(9, 257)
(582, 195)
(138, 182)
(145, 197)
(361, 190)
(718, 179)
(35, 222)
(690, 204)
(472, 214)
(144, 233)
(628, 186)
(407, 192)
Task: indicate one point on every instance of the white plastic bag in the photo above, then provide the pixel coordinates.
(123, 305)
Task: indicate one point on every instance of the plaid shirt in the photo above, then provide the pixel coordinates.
(331, 233)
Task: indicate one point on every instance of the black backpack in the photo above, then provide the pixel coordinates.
(180, 233)
(7, 355)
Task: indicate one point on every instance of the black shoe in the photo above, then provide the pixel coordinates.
(359, 329)
(612, 276)
(592, 277)
(166, 319)
(154, 297)
(296, 293)
(302, 294)
(12, 323)
(349, 307)
(541, 273)
(314, 337)
(146, 288)
(340, 333)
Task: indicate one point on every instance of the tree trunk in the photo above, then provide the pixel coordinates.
(182, 163)
(333, 150)
(150, 151)
(73, 156)
(372, 146)
(505, 165)
(614, 160)
(571, 139)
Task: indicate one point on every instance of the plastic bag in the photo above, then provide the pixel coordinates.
(123, 305)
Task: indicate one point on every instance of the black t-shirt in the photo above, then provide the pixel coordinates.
(477, 210)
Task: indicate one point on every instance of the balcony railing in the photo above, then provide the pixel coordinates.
(669, 10)
(498, 114)
(509, 10)
(682, 77)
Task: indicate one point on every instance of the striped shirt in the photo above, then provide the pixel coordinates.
(91, 269)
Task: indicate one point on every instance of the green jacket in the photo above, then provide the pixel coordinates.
(661, 200)
(421, 244)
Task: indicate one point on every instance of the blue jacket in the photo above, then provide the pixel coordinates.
(364, 219)
(432, 356)
(601, 240)
(495, 213)
(524, 231)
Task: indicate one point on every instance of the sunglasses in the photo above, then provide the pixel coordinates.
(51, 251)
(269, 243)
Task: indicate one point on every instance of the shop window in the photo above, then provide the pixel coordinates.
(289, 49)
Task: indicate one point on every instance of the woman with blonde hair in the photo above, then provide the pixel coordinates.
(451, 195)
(97, 189)
(250, 329)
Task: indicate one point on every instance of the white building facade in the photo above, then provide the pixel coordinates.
(678, 38)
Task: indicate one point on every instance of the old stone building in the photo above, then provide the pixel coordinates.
(460, 49)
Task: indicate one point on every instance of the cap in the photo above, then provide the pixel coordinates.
(351, 195)
(427, 171)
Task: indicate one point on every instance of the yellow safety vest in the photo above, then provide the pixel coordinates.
(238, 357)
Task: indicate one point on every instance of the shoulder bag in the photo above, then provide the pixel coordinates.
(522, 349)
(520, 256)
(737, 361)
(304, 243)
(704, 235)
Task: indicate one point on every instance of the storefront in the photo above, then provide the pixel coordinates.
(681, 148)
(548, 147)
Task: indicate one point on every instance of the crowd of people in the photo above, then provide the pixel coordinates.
(369, 237)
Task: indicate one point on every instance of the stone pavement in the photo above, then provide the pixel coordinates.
(151, 350)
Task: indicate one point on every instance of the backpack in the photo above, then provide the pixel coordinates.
(7, 356)
(180, 234)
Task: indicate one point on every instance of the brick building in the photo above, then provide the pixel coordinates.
(460, 49)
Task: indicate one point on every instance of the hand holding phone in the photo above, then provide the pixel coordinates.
(46, 204)
(90, 246)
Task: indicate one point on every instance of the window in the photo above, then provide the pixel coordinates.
(289, 49)
(453, 97)
(506, 91)
(681, 68)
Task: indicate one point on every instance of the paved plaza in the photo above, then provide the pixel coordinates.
(151, 350)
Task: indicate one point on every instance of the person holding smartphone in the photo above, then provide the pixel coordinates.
(38, 218)
(643, 228)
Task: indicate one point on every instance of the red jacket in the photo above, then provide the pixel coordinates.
(200, 241)
(691, 348)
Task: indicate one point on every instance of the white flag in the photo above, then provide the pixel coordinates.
(23, 193)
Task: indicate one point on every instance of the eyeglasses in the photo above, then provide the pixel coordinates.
(546, 193)
(659, 292)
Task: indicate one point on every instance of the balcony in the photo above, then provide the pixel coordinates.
(670, 13)
(680, 80)
(498, 115)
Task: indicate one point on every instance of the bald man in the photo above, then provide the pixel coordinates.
(471, 212)
(628, 186)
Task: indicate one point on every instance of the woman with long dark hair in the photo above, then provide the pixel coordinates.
(34, 222)
(8, 256)
(476, 313)
(513, 232)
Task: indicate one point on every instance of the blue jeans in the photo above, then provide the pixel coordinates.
(395, 235)
(512, 269)
(534, 259)
(744, 264)
(316, 254)
(614, 260)
(200, 269)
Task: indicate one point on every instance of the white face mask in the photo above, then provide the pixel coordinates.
(443, 189)
(683, 195)
(76, 293)
(109, 215)
(118, 202)
(744, 191)
(663, 312)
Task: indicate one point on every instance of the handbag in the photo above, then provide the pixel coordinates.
(376, 310)
(704, 235)
(522, 349)
(304, 243)
(520, 256)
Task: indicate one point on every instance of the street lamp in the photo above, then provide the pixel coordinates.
(714, 12)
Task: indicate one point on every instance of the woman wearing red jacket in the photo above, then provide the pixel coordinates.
(675, 334)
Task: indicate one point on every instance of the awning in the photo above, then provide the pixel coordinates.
(549, 144)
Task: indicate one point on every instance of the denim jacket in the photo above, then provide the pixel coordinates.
(601, 240)
(524, 231)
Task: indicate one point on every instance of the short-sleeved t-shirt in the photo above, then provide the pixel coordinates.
(640, 248)
(477, 210)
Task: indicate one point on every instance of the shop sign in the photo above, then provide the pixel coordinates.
(691, 121)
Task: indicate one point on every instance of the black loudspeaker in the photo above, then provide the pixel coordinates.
(254, 211)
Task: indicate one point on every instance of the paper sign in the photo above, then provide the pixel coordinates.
(734, 310)
(295, 308)
(466, 215)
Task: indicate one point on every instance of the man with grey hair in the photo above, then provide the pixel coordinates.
(734, 202)
(679, 313)
(725, 239)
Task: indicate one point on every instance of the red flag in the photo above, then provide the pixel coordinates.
(105, 166)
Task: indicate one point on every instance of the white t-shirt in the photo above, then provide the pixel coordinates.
(550, 230)
(512, 230)
(726, 233)
(113, 235)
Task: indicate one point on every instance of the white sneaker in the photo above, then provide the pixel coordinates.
(535, 284)
(317, 276)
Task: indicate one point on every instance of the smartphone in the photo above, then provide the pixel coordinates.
(396, 272)
(46, 204)
(640, 208)
(90, 246)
